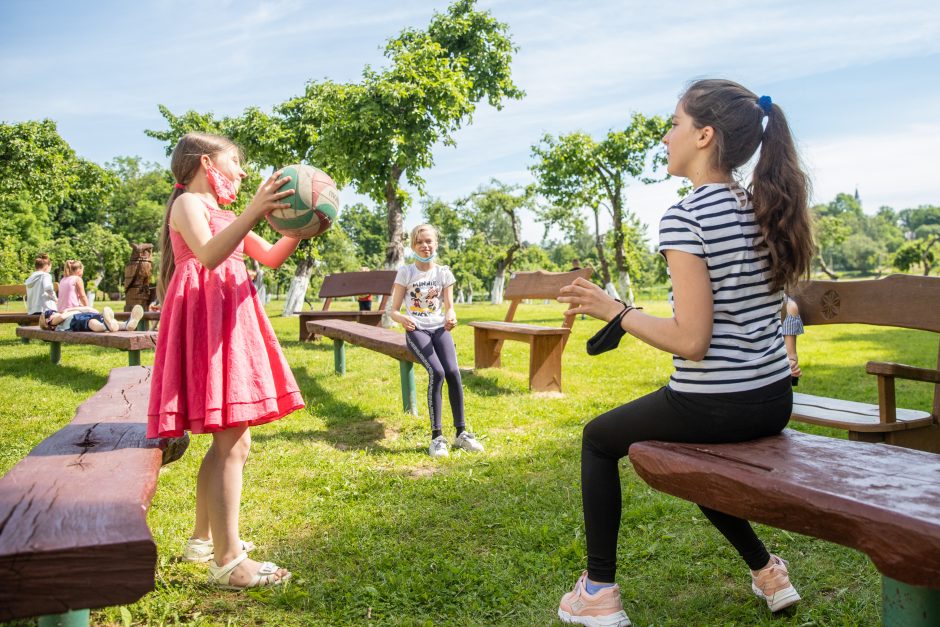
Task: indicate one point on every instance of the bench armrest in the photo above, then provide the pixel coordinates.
(886, 373)
(885, 369)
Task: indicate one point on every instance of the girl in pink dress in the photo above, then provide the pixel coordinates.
(218, 367)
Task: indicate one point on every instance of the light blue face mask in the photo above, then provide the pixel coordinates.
(424, 259)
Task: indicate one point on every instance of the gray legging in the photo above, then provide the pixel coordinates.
(435, 349)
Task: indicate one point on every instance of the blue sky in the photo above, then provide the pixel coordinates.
(859, 81)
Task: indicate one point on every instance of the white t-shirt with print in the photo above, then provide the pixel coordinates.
(424, 293)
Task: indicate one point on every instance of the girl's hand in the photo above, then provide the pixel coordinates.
(268, 198)
(409, 323)
(589, 299)
(450, 322)
(795, 370)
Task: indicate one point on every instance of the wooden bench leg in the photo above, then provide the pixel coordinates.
(339, 357)
(903, 605)
(133, 358)
(55, 352)
(409, 397)
(486, 351)
(545, 363)
(74, 618)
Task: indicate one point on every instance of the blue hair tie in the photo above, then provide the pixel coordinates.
(765, 103)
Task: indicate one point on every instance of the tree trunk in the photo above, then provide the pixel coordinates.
(259, 282)
(294, 302)
(822, 266)
(394, 250)
(599, 246)
(496, 294)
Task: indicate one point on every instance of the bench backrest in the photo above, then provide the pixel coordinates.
(540, 285)
(13, 290)
(898, 300)
(357, 283)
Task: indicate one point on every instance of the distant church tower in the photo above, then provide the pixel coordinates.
(858, 198)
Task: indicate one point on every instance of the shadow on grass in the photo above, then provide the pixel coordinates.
(39, 367)
(484, 386)
(348, 428)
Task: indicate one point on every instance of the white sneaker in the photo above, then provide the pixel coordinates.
(438, 447)
(109, 321)
(137, 313)
(467, 442)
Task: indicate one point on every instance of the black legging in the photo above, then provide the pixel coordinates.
(435, 349)
(673, 417)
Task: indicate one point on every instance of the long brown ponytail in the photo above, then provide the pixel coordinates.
(184, 163)
(779, 188)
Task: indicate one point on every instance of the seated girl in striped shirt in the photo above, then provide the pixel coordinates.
(731, 252)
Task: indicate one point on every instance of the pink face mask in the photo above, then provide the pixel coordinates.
(223, 187)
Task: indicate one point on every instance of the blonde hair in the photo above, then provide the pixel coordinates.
(72, 266)
(424, 227)
(184, 164)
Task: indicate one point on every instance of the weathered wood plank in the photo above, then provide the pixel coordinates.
(834, 412)
(73, 526)
(381, 340)
(372, 318)
(879, 499)
(541, 284)
(519, 328)
(124, 340)
(357, 283)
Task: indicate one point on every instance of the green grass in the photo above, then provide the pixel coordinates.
(344, 494)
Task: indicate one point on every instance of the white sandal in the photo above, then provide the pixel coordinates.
(219, 576)
(201, 551)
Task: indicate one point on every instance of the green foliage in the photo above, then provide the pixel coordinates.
(365, 226)
(103, 253)
(575, 172)
(137, 206)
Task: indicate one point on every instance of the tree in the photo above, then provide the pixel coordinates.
(364, 227)
(375, 132)
(137, 205)
(494, 212)
(575, 171)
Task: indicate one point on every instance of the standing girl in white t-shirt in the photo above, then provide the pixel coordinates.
(427, 290)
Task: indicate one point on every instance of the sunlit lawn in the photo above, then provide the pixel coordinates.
(344, 494)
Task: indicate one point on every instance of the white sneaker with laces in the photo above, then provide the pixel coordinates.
(467, 442)
(773, 585)
(438, 447)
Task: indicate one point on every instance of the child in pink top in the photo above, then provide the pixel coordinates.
(218, 368)
(71, 287)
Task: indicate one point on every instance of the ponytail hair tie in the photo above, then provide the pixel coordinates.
(179, 186)
(765, 103)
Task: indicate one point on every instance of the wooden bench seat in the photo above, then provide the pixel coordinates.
(546, 343)
(343, 284)
(73, 513)
(903, 301)
(131, 341)
(881, 500)
(380, 340)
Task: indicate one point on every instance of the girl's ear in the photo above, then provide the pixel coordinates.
(705, 136)
(205, 160)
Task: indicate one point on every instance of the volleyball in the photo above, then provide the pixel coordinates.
(314, 205)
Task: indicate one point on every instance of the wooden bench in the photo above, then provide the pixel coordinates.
(131, 341)
(546, 344)
(881, 500)
(381, 340)
(900, 300)
(344, 284)
(73, 513)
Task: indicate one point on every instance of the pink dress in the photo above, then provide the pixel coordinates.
(68, 293)
(218, 363)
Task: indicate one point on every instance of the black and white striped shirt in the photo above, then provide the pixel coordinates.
(716, 223)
